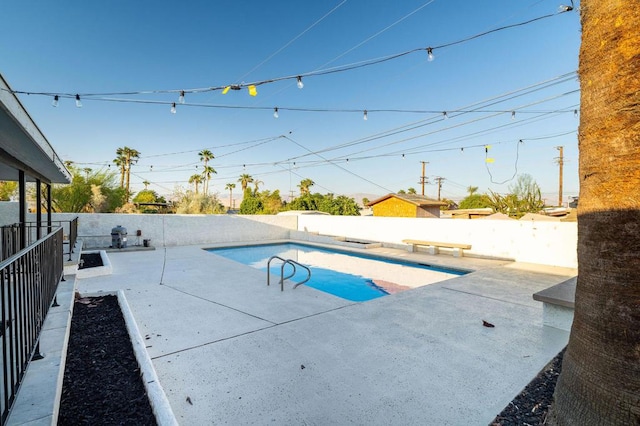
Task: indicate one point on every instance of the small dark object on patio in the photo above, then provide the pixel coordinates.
(102, 383)
(90, 260)
(487, 324)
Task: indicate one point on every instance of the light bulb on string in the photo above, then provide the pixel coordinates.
(365, 117)
(575, 113)
(513, 115)
(403, 156)
(275, 113)
(55, 101)
(181, 97)
(300, 83)
(173, 109)
(430, 56)
(78, 103)
(445, 115)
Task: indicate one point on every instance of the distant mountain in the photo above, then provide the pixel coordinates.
(360, 195)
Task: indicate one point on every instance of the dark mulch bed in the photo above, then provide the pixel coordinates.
(532, 405)
(90, 260)
(102, 383)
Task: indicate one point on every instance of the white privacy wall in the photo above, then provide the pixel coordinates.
(548, 243)
(94, 229)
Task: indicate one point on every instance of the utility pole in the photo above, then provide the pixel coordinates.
(439, 180)
(560, 161)
(423, 178)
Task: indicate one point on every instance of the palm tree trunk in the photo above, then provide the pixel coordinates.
(600, 380)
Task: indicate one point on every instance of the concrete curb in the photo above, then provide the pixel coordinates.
(157, 398)
(105, 269)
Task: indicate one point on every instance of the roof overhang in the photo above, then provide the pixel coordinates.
(23, 146)
(415, 200)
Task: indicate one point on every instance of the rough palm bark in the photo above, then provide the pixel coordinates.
(600, 380)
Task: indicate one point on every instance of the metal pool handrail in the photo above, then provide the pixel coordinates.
(291, 262)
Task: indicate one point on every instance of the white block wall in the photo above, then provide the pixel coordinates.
(173, 230)
(548, 243)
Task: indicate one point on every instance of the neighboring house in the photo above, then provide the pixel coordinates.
(479, 213)
(406, 205)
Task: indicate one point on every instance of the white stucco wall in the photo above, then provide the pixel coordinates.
(172, 230)
(547, 243)
(9, 212)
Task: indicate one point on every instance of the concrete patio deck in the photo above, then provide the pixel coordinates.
(245, 353)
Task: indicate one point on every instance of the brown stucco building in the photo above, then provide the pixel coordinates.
(406, 205)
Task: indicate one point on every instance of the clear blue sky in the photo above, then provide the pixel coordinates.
(124, 46)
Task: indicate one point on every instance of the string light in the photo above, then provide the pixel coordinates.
(575, 113)
(365, 117)
(78, 103)
(445, 115)
(181, 97)
(300, 83)
(55, 101)
(173, 110)
(275, 113)
(513, 115)
(348, 67)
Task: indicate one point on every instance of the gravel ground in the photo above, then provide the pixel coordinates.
(532, 405)
(102, 383)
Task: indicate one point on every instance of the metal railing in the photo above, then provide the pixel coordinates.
(28, 283)
(291, 262)
(12, 235)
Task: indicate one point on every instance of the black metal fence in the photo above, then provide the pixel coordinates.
(12, 235)
(28, 283)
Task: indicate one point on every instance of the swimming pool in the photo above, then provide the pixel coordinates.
(348, 275)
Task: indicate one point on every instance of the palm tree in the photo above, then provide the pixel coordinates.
(256, 184)
(126, 156)
(601, 368)
(205, 156)
(206, 174)
(472, 190)
(230, 187)
(196, 180)
(304, 186)
(245, 180)
(146, 184)
(120, 162)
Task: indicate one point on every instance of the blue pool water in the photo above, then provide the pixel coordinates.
(351, 276)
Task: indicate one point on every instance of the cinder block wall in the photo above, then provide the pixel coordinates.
(171, 230)
(547, 243)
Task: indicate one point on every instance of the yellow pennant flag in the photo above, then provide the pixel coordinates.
(252, 90)
(489, 160)
(225, 90)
